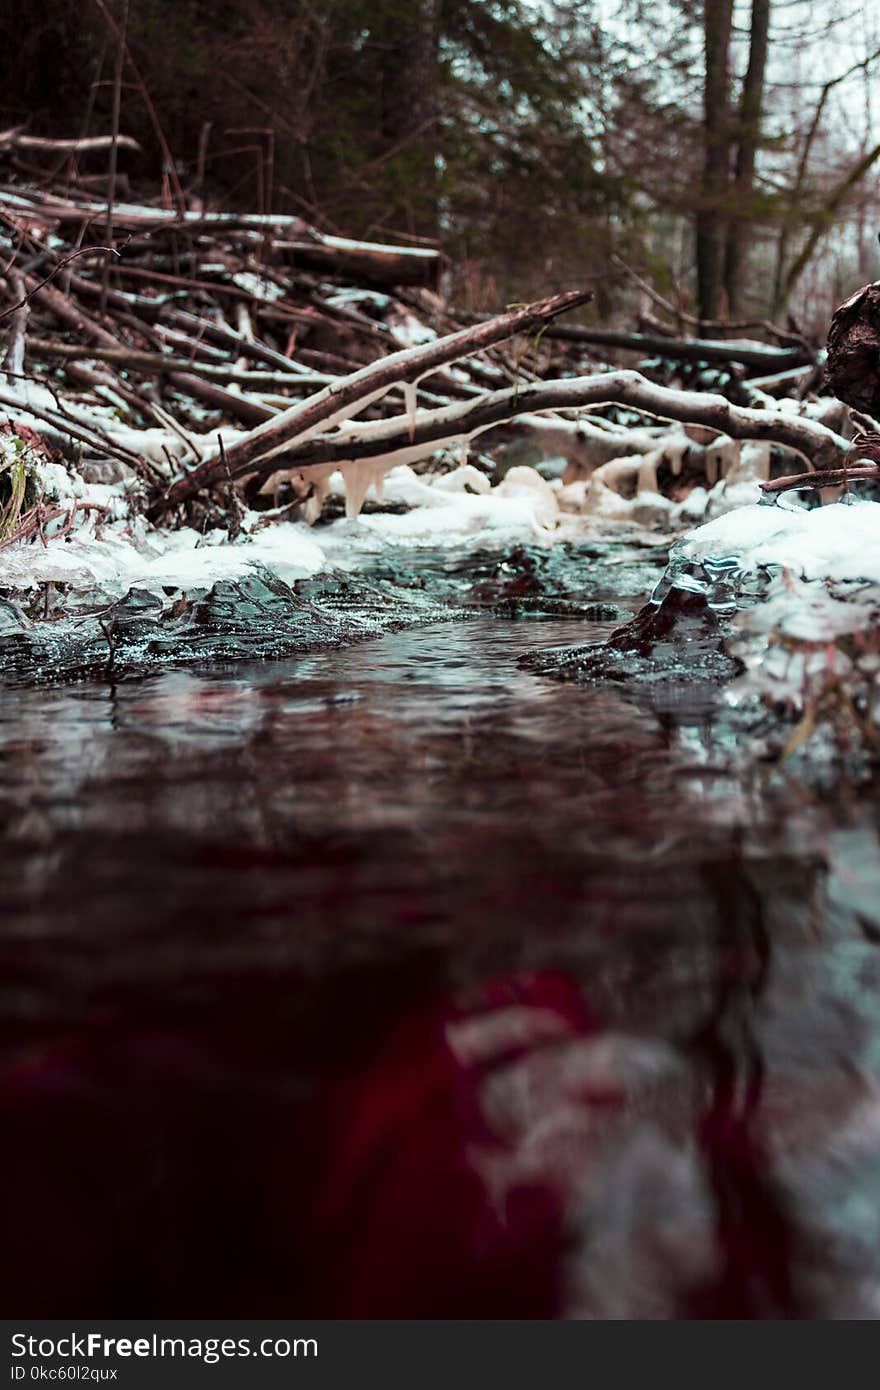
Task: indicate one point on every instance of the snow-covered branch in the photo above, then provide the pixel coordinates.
(354, 393)
(408, 439)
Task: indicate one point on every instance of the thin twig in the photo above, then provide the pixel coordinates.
(86, 251)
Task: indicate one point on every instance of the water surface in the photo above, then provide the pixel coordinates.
(396, 980)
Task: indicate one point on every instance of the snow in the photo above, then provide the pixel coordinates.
(342, 243)
(466, 478)
(257, 285)
(411, 332)
(183, 559)
(511, 518)
(455, 507)
(839, 541)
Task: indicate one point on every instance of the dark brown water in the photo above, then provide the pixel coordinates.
(397, 981)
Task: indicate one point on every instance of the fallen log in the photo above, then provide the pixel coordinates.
(365, 262)
(402, 440)
(766, 358)
(354, 393)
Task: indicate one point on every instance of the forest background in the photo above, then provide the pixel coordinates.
(725, 152)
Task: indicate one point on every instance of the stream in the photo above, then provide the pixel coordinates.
(400, 980)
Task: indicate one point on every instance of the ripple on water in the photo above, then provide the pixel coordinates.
(456, 991)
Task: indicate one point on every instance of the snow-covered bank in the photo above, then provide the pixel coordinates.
(807, 583)
(841, 541)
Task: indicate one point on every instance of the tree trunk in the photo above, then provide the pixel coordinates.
(711, 218)
(823, 220)
(410, 105)
(748, 136)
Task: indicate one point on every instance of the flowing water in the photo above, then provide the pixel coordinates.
(397, 979)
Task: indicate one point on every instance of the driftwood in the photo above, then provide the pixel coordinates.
(823, 477)
(863, 462)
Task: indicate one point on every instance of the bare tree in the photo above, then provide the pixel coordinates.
(711, 221)
(748, 134)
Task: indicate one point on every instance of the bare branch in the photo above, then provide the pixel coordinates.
(14, 139)
(396, 442)
(354, 393)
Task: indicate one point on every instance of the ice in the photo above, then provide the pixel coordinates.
(854, 856)
(526, 485)
(182, 559)
(831, 542)
(466, 478)
(522, 507)
(410, 400)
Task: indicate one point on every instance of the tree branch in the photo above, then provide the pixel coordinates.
(400, 440)
(354, 393)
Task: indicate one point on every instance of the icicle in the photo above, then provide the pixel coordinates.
(358, 477)
(410, 400)
(464, 452)
(730, 458)
(320, 481)
(647, 476)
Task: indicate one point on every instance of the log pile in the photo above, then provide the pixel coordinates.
(245, 347)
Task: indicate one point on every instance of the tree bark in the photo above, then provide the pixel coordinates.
(854, 351)
(711, 219)
(748, 138)
(354, 393)
(405, 440)
(410, 108)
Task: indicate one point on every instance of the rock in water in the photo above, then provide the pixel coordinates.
(853, 366)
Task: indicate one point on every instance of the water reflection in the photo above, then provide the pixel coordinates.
(398, 981)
